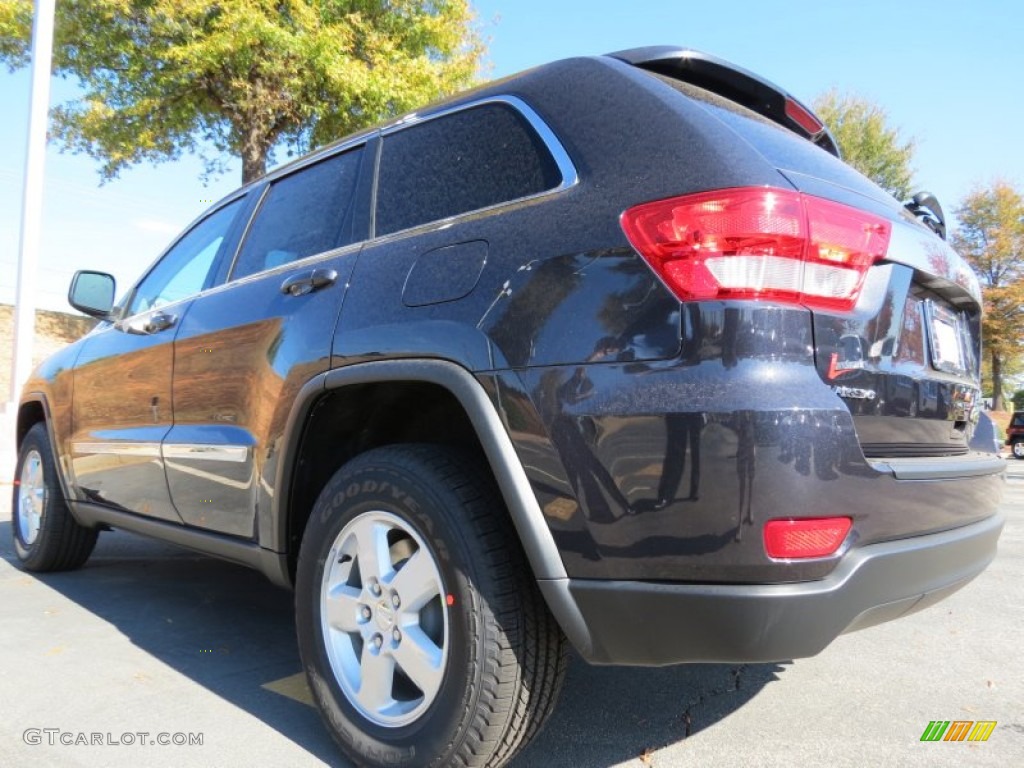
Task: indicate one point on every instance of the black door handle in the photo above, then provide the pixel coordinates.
(307, 282)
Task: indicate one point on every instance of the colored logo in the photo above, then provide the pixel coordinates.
(958, 730)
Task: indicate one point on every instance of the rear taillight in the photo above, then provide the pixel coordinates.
(815, 537)
(759, 243)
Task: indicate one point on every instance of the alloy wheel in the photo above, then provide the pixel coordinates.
(31, 497)
(384, 618)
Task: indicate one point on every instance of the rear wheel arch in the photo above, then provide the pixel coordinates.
(430, 384)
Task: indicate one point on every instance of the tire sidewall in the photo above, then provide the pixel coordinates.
(365, 488)
(37, 440)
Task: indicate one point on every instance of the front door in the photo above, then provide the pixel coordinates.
(122, 405)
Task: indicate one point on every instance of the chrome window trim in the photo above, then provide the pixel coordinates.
(563, 162)
(214, 289)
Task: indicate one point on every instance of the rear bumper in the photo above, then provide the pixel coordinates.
(653, 624)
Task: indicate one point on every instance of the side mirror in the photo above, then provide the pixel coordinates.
(92, 293)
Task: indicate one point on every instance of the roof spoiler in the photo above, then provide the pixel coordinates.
(734, 83)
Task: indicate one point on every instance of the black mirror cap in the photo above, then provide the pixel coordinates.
(92, 293)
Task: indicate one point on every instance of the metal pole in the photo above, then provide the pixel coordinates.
(32, 200)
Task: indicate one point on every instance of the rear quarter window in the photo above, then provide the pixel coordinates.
(460, 162)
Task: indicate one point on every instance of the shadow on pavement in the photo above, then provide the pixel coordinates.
(223, 626)
(231, 631)
(610, 715)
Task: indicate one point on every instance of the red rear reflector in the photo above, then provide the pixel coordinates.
(818, 537)
(759, 243)
(803, 117)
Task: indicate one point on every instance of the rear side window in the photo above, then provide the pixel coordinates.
(303, 214)
(461, 162)
(1018, 420)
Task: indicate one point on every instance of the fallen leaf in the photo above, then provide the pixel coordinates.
(647, 758)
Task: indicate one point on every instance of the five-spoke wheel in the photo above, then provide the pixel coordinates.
(46, 536)
(424, 637)
(384, 618)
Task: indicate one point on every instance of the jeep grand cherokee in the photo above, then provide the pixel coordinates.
(614, 353)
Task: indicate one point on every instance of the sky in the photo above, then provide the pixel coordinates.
(948, 74)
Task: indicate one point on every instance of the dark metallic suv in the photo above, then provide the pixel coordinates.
(616, 343)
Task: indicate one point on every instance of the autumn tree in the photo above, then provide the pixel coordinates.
(867, 141)
(162, 77)
(991, 237)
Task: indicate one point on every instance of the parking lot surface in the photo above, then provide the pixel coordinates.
(148, 639)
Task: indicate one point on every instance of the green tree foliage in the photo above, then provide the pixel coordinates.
(1018, 400)
(991, 238)
(867, 141)
(15, 29)
(161, 77)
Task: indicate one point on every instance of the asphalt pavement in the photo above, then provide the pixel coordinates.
(149, 639)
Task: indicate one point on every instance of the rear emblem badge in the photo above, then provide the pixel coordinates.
(853, 393)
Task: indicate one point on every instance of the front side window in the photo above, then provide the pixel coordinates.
(303, 214)
(460, 162)
(183, 270)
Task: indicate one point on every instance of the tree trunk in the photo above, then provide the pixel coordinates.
(254, 149)
(254, 164)
(997, 381)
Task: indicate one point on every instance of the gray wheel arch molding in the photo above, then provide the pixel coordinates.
(515, 488)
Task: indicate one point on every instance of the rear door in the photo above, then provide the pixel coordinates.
(246, 348)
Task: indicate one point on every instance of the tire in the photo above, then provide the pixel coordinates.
(1018, 449)
(46, 536)
(477, 662)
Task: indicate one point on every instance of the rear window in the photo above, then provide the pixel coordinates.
(460, 162)
(779, 146)
(1017, 420)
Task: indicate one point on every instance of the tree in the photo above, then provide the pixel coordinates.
(162, 77)
(867, 142)
(991, 238)
(1018, 400)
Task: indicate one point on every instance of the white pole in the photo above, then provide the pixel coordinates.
(32, 200)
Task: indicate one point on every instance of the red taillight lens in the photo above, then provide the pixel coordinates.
(759, 243)
(817, 537)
